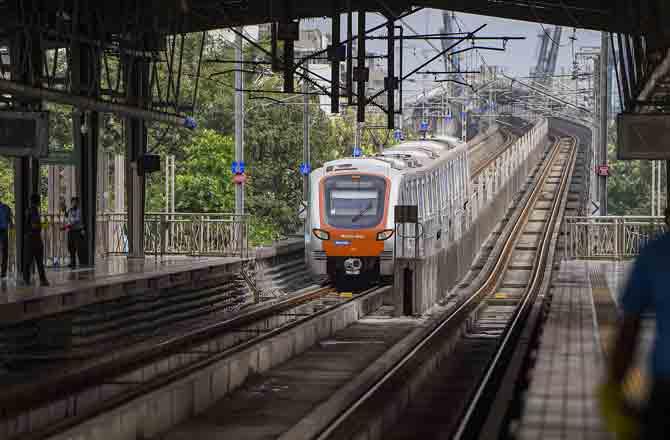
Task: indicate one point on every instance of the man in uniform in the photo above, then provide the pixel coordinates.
(34, 246)
(74, 232)
(648, 291)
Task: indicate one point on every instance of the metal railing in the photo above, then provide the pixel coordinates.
(191, 234)
(195, 234)
(609, 237)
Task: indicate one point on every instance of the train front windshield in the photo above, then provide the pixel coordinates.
(354, 202)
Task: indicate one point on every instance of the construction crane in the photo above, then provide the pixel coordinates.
(547, 55)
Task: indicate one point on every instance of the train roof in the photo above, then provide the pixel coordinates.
(409, 155)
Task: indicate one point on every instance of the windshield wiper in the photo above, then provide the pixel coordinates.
(363, 211)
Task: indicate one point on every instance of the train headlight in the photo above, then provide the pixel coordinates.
(321, 234)
(385, 234)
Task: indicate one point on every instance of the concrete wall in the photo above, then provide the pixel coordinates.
(441, 266)
(154, 413)
(282, 267)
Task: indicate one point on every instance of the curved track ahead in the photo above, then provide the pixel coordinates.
(479, 334)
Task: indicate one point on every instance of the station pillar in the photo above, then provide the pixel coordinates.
(26, 65)
(136, 71)
(86, 133)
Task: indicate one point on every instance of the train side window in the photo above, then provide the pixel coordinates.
(437, 188)
(445, 183)
(415, 188)
(443, 187)
(460, 179)
(436, 197)
(429, 196)
(464, 177)
(457, 182)
(419, 199)
(426, 196)
(431, 200)
(452, 186)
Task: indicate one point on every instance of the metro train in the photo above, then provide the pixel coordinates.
(350, 225)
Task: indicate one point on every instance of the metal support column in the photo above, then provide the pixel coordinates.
(25, 46)
(335, 61)
(390, 75)
(239, 110)
(305, 135)
(86, 131)
(604, 106)
(350, 54)
(360, 68)
(137, 93)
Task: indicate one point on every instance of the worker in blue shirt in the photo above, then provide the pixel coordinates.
(647, 291)
(5, 226)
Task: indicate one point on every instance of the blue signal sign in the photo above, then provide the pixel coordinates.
(237, 167)
(305, 169)
(398, 135)
(423, 126)
(357, 152)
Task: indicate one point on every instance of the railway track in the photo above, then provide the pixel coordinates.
(509, 139)
(97, 387)
(115, 381)
(444, 386)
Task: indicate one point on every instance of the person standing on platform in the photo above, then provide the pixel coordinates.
(74, 232)
(5, 226)
(646, 292)
(34, 246)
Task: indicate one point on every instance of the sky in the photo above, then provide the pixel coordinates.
(517, 60)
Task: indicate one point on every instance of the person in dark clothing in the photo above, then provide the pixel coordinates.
(646, 292)
(74, 232)
(34, 246)
(5, 226)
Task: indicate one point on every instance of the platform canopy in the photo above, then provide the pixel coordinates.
(624, 16)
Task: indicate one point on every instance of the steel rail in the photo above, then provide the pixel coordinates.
(457, 317)
(523, 309)
(171, 377)
(509, 141)
(43, 392)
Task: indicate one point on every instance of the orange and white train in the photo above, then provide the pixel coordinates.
(350, 221)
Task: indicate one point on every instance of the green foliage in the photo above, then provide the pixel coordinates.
(273, 143)
(629, 184)
(6, 181)
(203, 180)
(628, 188)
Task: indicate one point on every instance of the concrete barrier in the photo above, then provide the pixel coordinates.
(157, 411)
(440, 266)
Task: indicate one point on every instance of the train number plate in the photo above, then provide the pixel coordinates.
(342, 243)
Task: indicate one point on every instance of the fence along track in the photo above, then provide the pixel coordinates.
(408, 372)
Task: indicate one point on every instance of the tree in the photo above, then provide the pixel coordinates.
(203, 177)
(628, 188)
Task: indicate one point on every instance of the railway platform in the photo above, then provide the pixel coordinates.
(111, 278)
(560, 402)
